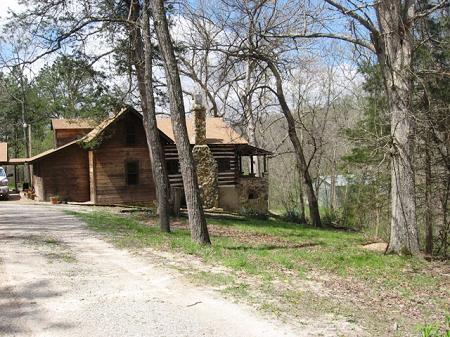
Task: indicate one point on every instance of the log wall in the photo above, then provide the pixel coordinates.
(225, 178)
(64, 136)
(110, 159)
(64, 173)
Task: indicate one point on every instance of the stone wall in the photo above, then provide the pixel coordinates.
(254, 193)
(207, 174)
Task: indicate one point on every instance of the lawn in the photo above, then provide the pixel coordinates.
(290, 269)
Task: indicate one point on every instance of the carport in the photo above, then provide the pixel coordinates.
(6, 161)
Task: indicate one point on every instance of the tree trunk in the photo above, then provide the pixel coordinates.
(298, 149)
(428, 197)
(377, 223)
(248, 114)
(394, 52)
(143, 65)
(199, 230)
(301, 197)
(333, 196)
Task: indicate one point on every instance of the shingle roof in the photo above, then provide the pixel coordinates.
(66, 124)
(217, 131)
(86, 139)
(102, 126)
(46, 153)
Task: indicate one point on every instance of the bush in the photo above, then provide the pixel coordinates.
(331, 218)
(253, 214)
(293, 215)
(337, 219)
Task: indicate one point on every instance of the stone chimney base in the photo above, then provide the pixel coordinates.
(207, 174)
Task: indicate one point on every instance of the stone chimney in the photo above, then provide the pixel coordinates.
(205, 164)
(199, 121)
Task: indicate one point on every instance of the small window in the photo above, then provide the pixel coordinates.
(131, 135)
(223, 164)
(173, 166)
(252, 195)
(132, 172)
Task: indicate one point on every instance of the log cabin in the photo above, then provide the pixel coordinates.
(109, 163)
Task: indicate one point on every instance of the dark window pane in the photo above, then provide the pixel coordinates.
(131, 135)
(172, 167)
(252, 195)
(223, 165)
(132, 172)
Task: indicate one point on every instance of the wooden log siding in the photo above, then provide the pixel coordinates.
(110, 160)
(64, 173)
(64, 136)
(227, 178)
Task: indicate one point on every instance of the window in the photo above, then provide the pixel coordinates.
(223, 164)
(131, 135)
(172, 166)
(132, 172)
(252, 195)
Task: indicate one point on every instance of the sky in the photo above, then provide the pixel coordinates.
(5, 5)
(345, 74)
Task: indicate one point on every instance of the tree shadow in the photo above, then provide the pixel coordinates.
(274, 247)
(19, 305)
(12, 197)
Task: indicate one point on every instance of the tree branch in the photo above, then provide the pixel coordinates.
(421, 14)
(346, 38)
(351, 13)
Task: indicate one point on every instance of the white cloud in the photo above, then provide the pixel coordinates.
(6, 6)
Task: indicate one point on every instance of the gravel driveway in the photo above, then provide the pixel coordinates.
(58, 279)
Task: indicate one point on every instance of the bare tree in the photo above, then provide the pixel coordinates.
(392, 42)
(199, 230)
(262, 16)
(143, 63)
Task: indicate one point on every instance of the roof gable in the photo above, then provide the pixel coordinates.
(217, 131)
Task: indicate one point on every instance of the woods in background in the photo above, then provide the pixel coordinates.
(357, 118)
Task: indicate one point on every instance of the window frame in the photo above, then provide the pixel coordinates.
(127, 173)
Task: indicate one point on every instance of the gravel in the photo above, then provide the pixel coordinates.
(58, 279)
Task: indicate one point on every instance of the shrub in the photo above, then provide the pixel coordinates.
(294, 215)
(253, 213)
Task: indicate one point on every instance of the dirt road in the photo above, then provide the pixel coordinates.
(58, 279)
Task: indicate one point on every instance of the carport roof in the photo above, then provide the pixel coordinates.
(3, 152)
(48, 152)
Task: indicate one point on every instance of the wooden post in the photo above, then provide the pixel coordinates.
(251, 165)
(240, 166)
(16, 189)
(92, 177)
(177, 201)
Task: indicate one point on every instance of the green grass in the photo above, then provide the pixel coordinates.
(262, 253)
(306, 249)
(52, 248)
